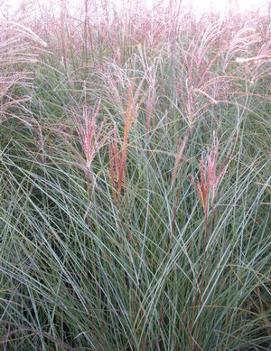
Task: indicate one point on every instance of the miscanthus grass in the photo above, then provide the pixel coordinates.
(135, 181)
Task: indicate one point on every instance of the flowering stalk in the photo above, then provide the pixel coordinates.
(206, 187)
(114, 160)
(151, 98)
(209, 178)
(118, 158)
(87, 134)
(92, 136)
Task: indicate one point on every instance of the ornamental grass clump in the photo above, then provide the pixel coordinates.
(103, 245)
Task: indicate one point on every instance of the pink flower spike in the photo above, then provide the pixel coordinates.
(209, 177)
(88, 137)
(93, 136)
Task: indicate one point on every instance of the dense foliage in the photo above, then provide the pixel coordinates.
(135, 181)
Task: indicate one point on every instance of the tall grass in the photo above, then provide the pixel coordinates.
(135, 180)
